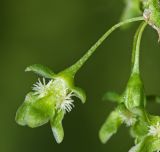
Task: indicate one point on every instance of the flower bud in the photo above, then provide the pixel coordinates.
(134, 94)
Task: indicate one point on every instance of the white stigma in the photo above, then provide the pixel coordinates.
(41, 88)
(154, 130)
(59, 89)
(67, 104)
(128, 119)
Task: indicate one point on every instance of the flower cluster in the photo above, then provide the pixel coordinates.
(52, 95)
(131, 109)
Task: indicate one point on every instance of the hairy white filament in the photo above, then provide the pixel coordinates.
(154, 130)
(42, 88)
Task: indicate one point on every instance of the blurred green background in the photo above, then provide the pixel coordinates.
(56, 33)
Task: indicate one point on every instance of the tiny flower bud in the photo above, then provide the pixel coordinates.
(134, 93)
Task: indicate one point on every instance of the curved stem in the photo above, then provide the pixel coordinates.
(75, 67)
(136, 48)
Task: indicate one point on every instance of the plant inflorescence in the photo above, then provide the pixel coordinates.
(52, 95)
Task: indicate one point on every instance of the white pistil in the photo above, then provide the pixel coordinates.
(41, 88)
(128, 119)
(154, 130)
(67, 104)
(63, 95)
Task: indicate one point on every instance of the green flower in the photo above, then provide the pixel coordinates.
(49, 100)
(132, 102)
(134, 95)
(147, 135)
(115, 119)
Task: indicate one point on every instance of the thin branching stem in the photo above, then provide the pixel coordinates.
(75, 67)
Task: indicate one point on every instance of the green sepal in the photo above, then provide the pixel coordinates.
(69, 78)
(24, 108)
(139, 130)
(41, 111)
(35, 117)
(35, 112)
(21, 114)
(41, 70)
(134, 94)
(110, 126)
(112, 96)
(79, 93)
(147, 144)
(57, 128)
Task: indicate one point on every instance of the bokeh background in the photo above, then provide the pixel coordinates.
(56, 33)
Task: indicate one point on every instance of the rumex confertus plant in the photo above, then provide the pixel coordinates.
(51, 97)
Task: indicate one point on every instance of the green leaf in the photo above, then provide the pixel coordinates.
(111, 96)
(79, 94)
(41, 70)
(57, 128)
(110, 126)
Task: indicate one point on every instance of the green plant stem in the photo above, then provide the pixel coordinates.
(136, 48)
(75, 67)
